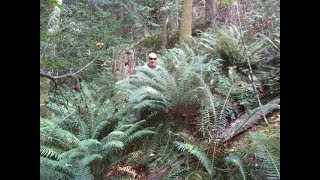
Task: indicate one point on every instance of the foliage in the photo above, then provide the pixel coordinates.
(162, 91)
(242, 170)
(267, 151)
(86, 134)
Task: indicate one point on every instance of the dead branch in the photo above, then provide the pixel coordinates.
(245, 122)
(55, 78)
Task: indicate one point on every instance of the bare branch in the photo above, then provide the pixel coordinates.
(55, 78)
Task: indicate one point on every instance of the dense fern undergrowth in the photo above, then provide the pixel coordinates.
(161, 125)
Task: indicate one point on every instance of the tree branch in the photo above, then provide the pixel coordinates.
(55, 78)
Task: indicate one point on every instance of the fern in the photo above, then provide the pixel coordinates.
(47, 151)
(192, 149)
(113, 144)
(51, 169)
(242, 168)
(175, 174)
(139, 134)
(82, 173)
(267, 154)
(93, 158)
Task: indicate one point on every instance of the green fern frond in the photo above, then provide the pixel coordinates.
(270, 161)
(50, 169)
(71, 155)
(90, 144)
(59, 137)
(116, 135)
(47, 151)
(75, 155)
(176, 173)
(82, 173)
(113, 144)
(123, 127)
(151, 104)
(99, 129)
(243, 169)
(139, 134)
(92, 158)
(192, 149)
(135, 127)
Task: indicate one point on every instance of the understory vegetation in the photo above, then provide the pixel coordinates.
(212, 113)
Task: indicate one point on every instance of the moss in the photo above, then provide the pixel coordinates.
(44, 88)
(151, 43)
(173, 38)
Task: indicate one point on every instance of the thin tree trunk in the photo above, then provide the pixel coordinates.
(53, 26)
(186, 22)
(210, 11)
(164, 33)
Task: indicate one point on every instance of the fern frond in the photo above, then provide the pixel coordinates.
(116, 135)
(198, 153)
(243, 169)
(82, 173)
(99, 129)
(47, 151)
(113, 144)
(152, 104)
(270, 161)
(177, 173)
(92, 158)
(139, 134)
(90, 144)
(135, 127)
(71, 155)
(50, 169)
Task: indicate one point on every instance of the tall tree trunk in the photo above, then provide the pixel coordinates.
(49, 54)
(186, 22)
(210, 11)
(53, 26)
(164, 33)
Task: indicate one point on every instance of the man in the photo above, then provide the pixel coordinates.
(152, 62)
(152, 65)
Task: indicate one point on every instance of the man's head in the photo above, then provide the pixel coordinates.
(152, 60)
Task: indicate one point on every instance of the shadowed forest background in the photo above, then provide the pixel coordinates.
(213, 114)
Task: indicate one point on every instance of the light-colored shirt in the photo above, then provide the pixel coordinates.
(158, 68)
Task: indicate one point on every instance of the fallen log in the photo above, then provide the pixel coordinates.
(246, 121)
(157, 175)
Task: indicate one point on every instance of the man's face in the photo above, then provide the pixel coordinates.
(152, 61)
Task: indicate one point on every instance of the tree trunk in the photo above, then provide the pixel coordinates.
(164, 33)
(186, 22)
(53, 26)
(49, 53)
(210, 11)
